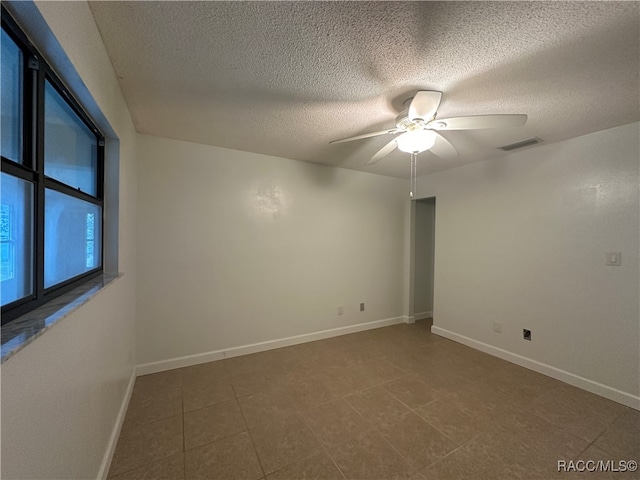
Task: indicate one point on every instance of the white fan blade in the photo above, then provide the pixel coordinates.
(383, 152)
(424, 105)
(367, 135)
(443, 148)
(477, 122)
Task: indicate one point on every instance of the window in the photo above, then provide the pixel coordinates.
(51, 189)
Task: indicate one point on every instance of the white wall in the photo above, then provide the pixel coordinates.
(521, 240)
(424, 244)
(61, 394)
(237, 248)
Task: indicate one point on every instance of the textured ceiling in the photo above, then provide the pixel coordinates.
(285, 78)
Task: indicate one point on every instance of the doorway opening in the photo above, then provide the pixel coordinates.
(424, 229)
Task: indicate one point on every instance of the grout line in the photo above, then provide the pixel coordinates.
(255, 450)
(402, 456)
(592, 444)
(184, 457)
(411, 410)
(322, 445)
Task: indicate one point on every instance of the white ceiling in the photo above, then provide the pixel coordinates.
(285, 78)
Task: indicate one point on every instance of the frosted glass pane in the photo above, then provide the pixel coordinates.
(72, 237)
(11, 100)
(70, 147)
(16, 239)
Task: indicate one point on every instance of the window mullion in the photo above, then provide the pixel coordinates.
(37, 158)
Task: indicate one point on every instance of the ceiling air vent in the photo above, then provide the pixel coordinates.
(522, 144)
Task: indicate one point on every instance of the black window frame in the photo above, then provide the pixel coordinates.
(36, 72)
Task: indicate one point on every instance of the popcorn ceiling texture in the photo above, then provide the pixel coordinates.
(285, 78)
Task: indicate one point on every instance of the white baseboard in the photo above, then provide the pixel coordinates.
(423, 315)
(163, 365)
(115, 433)
(562, 375)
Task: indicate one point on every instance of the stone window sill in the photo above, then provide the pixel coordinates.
(22, 331)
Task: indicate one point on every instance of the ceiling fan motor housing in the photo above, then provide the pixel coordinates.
(404, 123)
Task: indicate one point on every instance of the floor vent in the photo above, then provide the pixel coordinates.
(522, 144)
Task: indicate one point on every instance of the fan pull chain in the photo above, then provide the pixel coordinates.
(414, 161)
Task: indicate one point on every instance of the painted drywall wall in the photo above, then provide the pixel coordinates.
(521, 240)
(61, 395)
(424, 257)
(237, 248)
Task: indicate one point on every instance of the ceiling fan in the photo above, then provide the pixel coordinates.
(419, 128)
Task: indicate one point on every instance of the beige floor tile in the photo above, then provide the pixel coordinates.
(405, 337)
(171, 380)
(364, 352)
(139, 445)
(231, 458)
(169, 468)
(315, 467)
(538, 433)
(622, 437)
(347, 380)
(311, 392)
(418, 441)
(284, 442)
(155, 397)
(380, 371)
(377, 405)
(478, 362)
(520, 385)
(458, 423)
(318, 356)
(451, 375)
(199, 392)
(273, 365)
(262, 408)
(212, 423)
(242, 364)
(335, 422)
(252, 382)
(479, 399)
(216, 370)
(370, 457)
(579, 412)
(411, 391)
(415, 361)
(148, 409)
(511, 459)
(459, 465)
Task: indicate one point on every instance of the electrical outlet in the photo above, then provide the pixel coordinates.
(362, 307)
(340, 310)
(526, 334)
(497, 327)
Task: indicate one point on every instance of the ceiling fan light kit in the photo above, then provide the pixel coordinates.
(416, 141)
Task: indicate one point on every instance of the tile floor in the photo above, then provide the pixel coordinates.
(392, 403)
